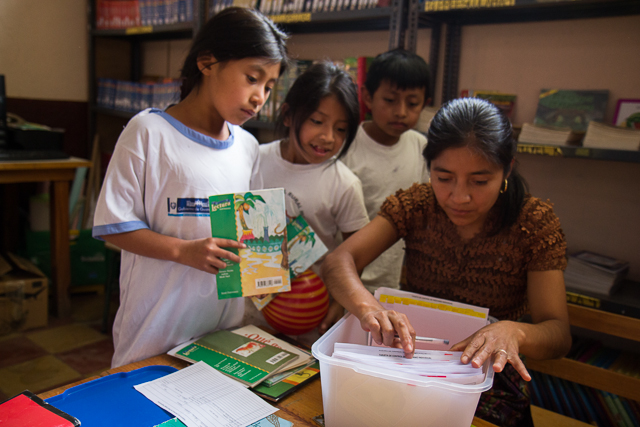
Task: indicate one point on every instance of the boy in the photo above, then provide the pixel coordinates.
(387, 153)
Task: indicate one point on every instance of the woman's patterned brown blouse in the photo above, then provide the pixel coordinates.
(487, 270)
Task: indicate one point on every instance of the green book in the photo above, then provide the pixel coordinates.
(243, 359)
(288, 385)
(257, 219)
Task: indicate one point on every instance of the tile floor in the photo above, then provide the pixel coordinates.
(65, 351)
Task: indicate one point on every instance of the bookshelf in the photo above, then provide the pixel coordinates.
(563, 161)
(592, 376)
(117, 53)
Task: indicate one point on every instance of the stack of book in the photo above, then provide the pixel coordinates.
(270, 366)
(600, 135)
(548, 135)
(594, 273)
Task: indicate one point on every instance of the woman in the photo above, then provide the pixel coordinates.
(473, 234)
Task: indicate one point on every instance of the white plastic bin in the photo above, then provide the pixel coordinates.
(356, 395)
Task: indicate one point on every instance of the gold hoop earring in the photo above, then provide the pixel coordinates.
(429, 180)
(506, 184)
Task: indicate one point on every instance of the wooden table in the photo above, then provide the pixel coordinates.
(60, 173)
(299, 407)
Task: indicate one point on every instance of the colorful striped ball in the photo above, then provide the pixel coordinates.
(301, 309)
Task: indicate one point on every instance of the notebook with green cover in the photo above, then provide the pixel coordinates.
(241, 358)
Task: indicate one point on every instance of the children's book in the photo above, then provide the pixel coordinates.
(304, 250)
(304, 247)
(258, 220)
(506, 102)
(288, 385)
(241, 358)
(571, 108)
(257, 334)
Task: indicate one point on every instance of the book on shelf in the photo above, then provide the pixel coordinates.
(270, 109)
(289, 385)
(596, 273)
(627, 113)
(424, 121)
(357, 67)
(548, 135)
(257, 219)
(625, 301)
(571, 108)
(246, 360)
(506, 102)
(600, 135)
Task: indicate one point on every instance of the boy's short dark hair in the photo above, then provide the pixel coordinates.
(402, 68)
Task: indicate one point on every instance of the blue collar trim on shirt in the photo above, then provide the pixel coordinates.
(197, 136)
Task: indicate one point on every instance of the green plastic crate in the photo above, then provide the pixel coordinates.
(88, 256)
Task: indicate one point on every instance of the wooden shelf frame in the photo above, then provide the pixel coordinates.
(593, 376)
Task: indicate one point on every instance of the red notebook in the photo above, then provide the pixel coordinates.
(27, 409)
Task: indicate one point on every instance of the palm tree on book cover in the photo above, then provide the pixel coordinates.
(245, 204)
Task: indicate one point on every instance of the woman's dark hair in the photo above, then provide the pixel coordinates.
(302, 100)
(401, 68)
(234, 33)
(461, 118)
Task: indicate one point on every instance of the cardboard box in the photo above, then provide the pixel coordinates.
(23, 295)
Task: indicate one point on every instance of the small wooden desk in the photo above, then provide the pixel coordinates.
(60, 173)
(299, 407)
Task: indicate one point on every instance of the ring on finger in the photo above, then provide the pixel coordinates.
(502, 351)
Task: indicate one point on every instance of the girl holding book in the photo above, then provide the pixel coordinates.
(318, 121)
(153, 203)
(473, 234)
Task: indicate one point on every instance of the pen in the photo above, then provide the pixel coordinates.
(429, 340)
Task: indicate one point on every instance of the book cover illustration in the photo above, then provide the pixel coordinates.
(304, 250)
(506, 102)
(304, 247)
(257, 219)
(241, 358)
(627, 113)
(571, 108)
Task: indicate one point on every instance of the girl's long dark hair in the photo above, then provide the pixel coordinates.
(302, 100)
(234, 33)
(460, 118)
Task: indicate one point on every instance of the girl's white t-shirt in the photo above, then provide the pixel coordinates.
(328, 195)
(160, 177)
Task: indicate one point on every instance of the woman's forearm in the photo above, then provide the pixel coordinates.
(550, 339)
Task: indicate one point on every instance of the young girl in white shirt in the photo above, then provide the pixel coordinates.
(154, 201)
(318, 121)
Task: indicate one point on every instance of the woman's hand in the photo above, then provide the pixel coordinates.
(335, 313)
(206, 254)
(500, 341)
(390, 328)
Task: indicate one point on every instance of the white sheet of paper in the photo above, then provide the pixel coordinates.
(200, 396)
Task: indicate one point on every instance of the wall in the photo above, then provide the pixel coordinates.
(43, 55)
(43, 49)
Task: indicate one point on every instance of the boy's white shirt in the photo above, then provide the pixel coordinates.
(159, 177)
(328, 195)
(383, 171)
